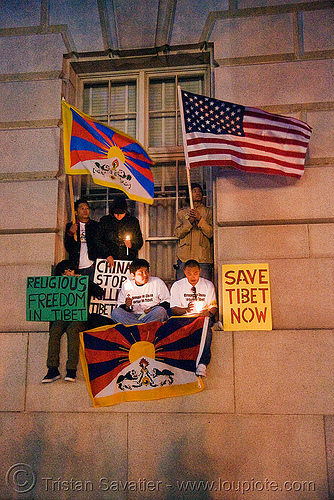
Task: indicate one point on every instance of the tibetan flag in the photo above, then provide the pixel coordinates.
(220, 133)
(143, 362)
(111, 157)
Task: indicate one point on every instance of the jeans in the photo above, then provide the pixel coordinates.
(72, 328)
(120, 315)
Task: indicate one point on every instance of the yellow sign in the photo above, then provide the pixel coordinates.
(246, 297)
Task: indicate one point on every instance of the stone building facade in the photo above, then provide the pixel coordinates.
(264, 425)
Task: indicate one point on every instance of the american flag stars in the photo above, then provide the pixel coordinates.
(208, 115)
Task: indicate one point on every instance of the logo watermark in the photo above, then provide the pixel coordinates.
(21, 478)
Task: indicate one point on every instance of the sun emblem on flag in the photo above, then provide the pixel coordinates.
(92, 140)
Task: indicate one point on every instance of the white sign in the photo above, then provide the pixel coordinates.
(111, 280)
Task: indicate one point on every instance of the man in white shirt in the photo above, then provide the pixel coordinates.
(195, 296)
(142, 298)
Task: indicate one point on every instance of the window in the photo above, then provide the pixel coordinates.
(164, 118)
(143, 103)
(112, 103)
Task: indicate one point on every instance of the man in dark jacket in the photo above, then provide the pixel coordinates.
(82, 249)
(119, 235)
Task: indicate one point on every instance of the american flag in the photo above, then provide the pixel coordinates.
(220, 133)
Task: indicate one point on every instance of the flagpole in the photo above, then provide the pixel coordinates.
(70, 185)
(185, 146)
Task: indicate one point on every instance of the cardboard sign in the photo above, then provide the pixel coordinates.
(246, 297)
(111, 280)
(51, 298)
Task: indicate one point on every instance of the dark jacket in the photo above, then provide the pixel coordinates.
(111, 234)
(73, 247)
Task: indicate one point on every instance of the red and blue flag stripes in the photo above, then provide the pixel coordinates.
(111, 157)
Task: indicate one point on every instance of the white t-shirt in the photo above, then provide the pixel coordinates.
(203, 298)
(84, 261)
(143, 296)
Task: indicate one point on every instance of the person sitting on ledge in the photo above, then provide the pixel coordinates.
(195, 296)
(142, 298)
(72, 328)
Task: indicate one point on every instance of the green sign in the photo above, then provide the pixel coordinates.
(51, 298)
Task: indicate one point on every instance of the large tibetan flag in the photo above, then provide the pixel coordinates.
(220, 133)
(111, 157)
(143, 362)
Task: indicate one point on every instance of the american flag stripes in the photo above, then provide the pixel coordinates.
(220, 133)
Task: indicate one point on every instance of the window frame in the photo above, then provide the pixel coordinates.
(142, 76)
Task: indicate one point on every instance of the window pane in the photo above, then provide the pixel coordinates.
(169, 92)
(162, 124)
(122, 98)
(194, 84)
(163, 120)
(155, 132)
(164, 175)
(126, 126)
(170, 127)
(96, 100)
(123, 102)
(162, 259)
(196, 175)
(155, 96)
(162, 210)
(131, 127)
(179, 131)
(132, 91)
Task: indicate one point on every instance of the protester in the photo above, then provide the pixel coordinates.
(194, 230)
(195, 296)
(119, 236)
(72, 329)
(82, 249)
(142, 298)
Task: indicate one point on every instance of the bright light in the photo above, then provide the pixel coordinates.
(128, 285)
(197, 307)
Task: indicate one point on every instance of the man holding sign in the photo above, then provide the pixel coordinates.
(70, 326)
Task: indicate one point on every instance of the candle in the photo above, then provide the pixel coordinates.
(198, 307)
(127, 238)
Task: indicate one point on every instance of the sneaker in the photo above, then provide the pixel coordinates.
(52, 375)
(71, 375)
(217, 326)
(201, 370)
